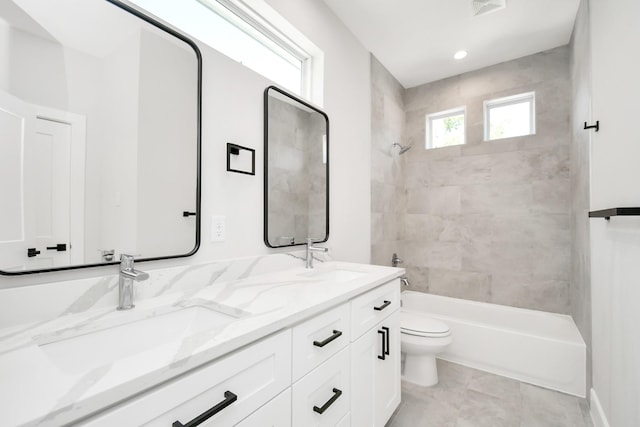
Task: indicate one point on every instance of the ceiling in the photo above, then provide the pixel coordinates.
(416, 39)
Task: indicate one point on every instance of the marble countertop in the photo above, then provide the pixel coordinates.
(38, 389)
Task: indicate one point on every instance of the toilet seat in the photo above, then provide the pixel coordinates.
(422, 326)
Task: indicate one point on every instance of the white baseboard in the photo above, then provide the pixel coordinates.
(597, 414)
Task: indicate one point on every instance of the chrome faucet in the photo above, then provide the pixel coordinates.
(128, 275)
(395, 260)
(310, 250)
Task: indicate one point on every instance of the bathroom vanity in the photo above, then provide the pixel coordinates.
(292, 347)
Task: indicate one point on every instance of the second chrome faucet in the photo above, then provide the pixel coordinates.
(128, 275)
(310, 250)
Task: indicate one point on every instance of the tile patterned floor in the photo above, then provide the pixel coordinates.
(466, 397)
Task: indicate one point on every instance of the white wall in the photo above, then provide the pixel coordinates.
(615, 181)
(233, 112)
(346, 101)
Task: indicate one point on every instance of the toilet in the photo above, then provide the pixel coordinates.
(421, 339)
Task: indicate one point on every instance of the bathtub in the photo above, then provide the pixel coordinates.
(536, 347)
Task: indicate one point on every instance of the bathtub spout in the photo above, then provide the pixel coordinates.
(404, 281)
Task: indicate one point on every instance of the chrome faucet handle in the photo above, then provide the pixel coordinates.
(127, 260)
(310, 250)
(395, 260)
(128, 275)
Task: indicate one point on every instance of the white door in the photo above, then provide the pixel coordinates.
(47, 173)
(41, 186)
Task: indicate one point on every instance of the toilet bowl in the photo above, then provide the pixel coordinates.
(421, 338)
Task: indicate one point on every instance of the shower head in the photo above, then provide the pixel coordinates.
(403, 149)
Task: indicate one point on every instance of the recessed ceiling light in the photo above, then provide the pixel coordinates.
(460, 54)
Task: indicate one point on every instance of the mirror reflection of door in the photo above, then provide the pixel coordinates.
(42, 153)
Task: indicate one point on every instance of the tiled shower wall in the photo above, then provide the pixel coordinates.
(387, 189)
(490, 221)
(580, 290)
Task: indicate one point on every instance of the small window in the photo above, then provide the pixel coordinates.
(510, 116)
(240, 33)
(446, 128)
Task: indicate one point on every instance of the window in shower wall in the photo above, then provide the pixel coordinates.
(510, 116)
(446, 128)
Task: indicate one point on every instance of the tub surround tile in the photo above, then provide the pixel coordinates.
(270, 292)
(460, 284)
(387, 189)
(493, 207)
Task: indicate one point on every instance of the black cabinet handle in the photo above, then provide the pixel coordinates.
(387, 334)
(60, 247)
(229, 398)
(335, 335)
(31, 252)
(186, 214)
(383, 306)
(336, 394)
(382, 357)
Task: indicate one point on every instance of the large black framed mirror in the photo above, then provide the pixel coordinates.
(100, 115)
(296, 170)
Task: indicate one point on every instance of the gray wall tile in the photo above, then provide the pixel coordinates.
(487, 221)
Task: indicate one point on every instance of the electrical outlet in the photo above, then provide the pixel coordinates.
(218, 228)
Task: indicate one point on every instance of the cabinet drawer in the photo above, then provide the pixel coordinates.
(369, 309)
(276, 413)
(319, 338)
(326, 389)
(254, 374)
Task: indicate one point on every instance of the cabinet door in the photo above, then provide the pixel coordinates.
(364, 357)
(387, 374)
(375, 373)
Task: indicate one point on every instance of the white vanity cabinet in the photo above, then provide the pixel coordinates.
(339, 368)
(375, 356)
(232, 387)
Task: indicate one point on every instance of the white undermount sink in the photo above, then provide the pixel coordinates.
(105, 346)
(337, 275)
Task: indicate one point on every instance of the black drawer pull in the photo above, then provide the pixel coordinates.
(335, 335)
(31, 252)
(383, 306)
(387, 334)
(229, 398)
(187, 213)
(381, 357)
(60, 247)
(336, 394)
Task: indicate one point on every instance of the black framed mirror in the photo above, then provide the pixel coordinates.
(100, 116)
(296, 170)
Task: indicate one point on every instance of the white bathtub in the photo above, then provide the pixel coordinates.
(536, 347)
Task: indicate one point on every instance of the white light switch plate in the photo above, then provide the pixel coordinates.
(218, 228)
